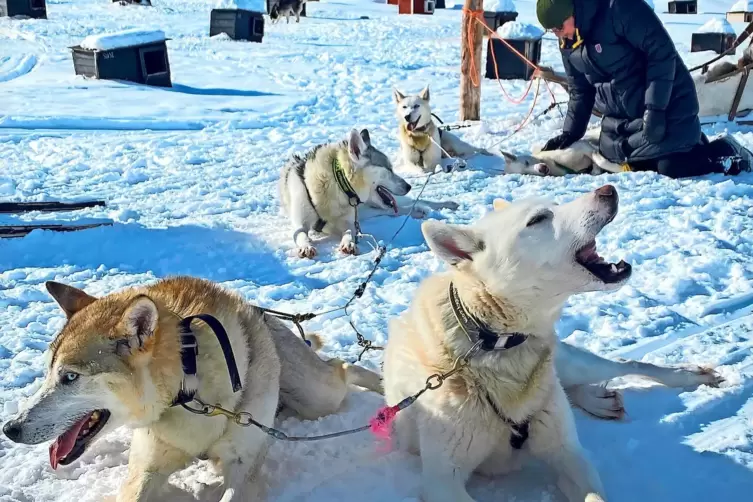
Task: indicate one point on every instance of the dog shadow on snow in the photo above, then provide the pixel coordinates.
(217, 254)
(647, 456)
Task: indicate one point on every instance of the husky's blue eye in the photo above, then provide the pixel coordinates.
(69, 377)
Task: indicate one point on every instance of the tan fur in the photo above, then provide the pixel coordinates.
(135, 372)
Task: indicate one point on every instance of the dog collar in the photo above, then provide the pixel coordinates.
(344, 184)
(189, 350)
(475, 330)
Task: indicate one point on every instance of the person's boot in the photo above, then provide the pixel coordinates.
(740, 159)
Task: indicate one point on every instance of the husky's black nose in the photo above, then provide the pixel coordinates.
(12, 431)
(606, 191)
(407, 118)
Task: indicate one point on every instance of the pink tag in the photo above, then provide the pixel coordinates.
(598, 48)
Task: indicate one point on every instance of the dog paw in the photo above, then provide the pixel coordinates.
(593, 497)
(704, 376)
(307, 252)
(598, 401)
(419, 213)
(348, 248)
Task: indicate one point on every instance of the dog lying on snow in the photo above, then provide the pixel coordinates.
(419, 136)
(314, 199)
(117, 362)
(582, 157)
(510, 275)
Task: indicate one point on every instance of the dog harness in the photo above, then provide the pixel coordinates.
(475, 330)
(189, 350)
(342, 181)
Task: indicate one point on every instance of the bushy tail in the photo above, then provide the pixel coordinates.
(315, 340)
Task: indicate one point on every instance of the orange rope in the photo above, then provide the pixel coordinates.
(472, 14)
(478, 16)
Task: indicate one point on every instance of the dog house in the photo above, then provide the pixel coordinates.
(392, 2)
(716, 35)
(683, 7)
(28, 8)
(498, 12)
(503, 63)
(240, 19)
(415, 7)
(741, 12)
(132, 55)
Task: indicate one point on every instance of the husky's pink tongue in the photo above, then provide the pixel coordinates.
(64, 443)
(394, 202)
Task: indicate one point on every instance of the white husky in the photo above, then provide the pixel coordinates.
(510, 275)
(419, 137)
(314, 199)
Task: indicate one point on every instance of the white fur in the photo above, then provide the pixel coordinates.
(583, 157)
(416, 110)
(515, 278)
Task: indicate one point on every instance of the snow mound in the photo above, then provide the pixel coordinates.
(717, 25)
(127, 38)
(742, 6)
(517, 30)
(499, 6)
(250, 5)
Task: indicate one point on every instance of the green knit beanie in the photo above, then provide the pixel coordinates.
(552, 13)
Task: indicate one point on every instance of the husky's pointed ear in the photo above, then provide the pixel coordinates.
(139, 322)
(70, 299)
(366, 137)
(452, 243)
(509, 158)
(424, 94)
(399, 96)
(500, 204)
(356, 146)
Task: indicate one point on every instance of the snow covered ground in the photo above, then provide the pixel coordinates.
(190, 175)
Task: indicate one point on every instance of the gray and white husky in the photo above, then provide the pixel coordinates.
(286, 8)
(582, 157)
(314, 200)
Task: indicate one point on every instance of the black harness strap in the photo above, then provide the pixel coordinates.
(519, 431)
(473, 327)
(189, 351)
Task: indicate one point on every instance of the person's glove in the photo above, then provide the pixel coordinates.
(558, 142)
(654, 125)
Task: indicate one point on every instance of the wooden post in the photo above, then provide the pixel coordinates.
(470, 95)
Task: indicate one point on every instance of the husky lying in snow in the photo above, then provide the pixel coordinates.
(582, 157)
(286, 8)
(419, 136)
(117, 362)
(314, 199)
(510, 275)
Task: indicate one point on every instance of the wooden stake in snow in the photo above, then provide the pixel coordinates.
(470, 62)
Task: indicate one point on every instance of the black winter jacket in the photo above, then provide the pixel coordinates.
(623, 61)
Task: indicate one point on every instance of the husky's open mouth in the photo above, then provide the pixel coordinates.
(387, 198)
(608, 273)
(72, 443)
(412, 126)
